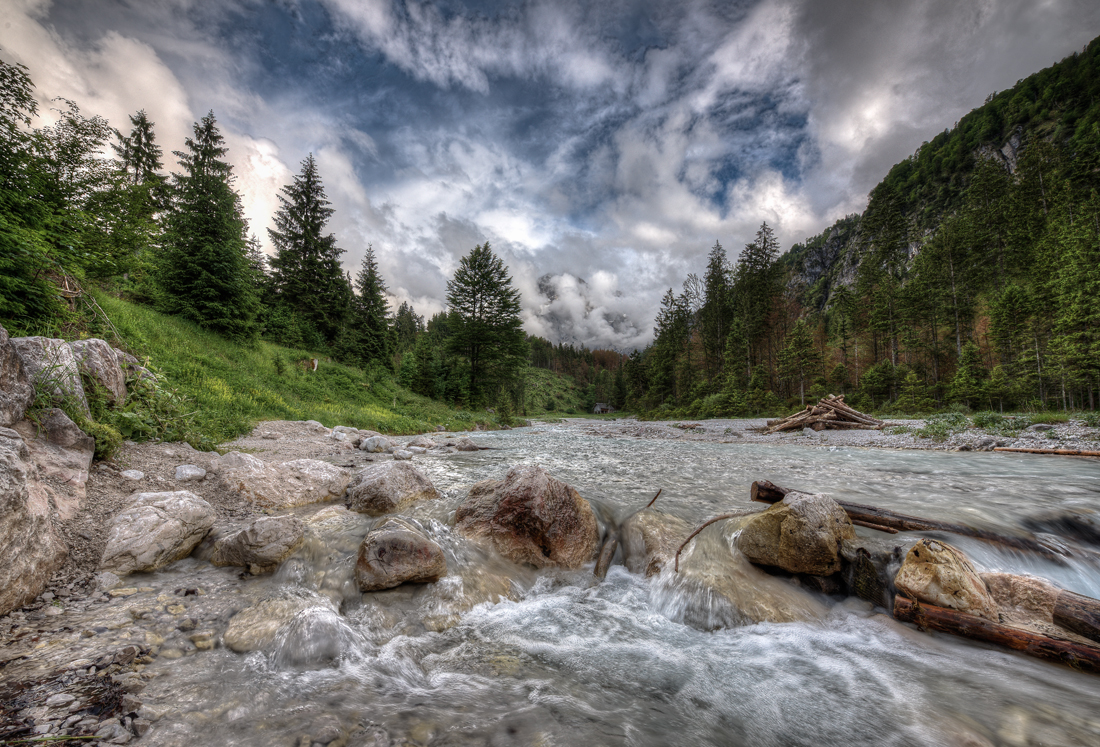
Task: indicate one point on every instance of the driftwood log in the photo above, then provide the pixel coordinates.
(829, 413)
(929, 617)
(1078, 613)
(879, 518)
(1062, 452)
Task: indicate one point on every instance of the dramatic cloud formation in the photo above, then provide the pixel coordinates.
(601, 148)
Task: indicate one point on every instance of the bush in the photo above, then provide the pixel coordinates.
(941, 426)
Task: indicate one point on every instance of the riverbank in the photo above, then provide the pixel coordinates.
(898, 434)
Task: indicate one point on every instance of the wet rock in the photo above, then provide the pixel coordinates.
(31, 550)
(402, 455)
(189, 473)
(295, 483)
(465, 444)
(16, 389)
(870, 565)
(422, 442)
(262, 545)
(650, 539)
(50, 363)
(112, 732)
(99, 362)
(413, 450)
(800, 534)
(155, 530)
(254, 627)
(1028, 602)
(388, 487)
(396, 552)
(375, 444)
(531, 517)
(1077, 523)
(936, 573)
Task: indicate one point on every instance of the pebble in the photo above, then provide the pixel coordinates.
(124, 592)
(59, 700)
(189, 472)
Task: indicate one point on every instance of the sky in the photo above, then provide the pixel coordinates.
(602, 148)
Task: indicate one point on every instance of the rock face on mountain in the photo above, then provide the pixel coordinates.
(16, 389)
(531, 517)
(30, 547)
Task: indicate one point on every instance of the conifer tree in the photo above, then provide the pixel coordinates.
(204, 273)
(914, 396)
(714, 316)
(305, 271)
(486, 326)
(800, 358)
(966, 386)
(368, 336)
(138, 153)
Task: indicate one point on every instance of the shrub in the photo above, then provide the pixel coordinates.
(941, 426)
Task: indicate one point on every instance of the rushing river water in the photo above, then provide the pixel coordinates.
(570, 661)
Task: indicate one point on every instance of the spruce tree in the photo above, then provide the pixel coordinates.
(138, 153)
(966, 386)
(714, 316)
(204, 273)
(800, 359)
(486, 328)
(368, 336)
(305, 271)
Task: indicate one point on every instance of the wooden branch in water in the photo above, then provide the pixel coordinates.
(766, 492)
(1062, 452)
(929, 617)
(701, 527)
(1078, 613)
(869, 525)
(654, 498)
(607, 554)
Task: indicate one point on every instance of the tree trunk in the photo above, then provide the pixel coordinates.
(1078, 613)
(929, 617)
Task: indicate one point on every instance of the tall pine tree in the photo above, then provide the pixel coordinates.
(204, 273)
(367, 337)
(305, 272)
(486, 323)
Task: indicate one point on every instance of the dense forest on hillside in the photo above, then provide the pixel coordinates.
(973, 278)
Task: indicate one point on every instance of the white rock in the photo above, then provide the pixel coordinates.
(376, 444)
(402, 455)
(416, 450)
(99, 361)
(295, 483)
(189, 472)
(155, 530)
(51, 363)
(133, 474)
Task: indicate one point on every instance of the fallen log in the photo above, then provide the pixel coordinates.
(1078, 613)
(929, 617)
(607, 554)
(1062, 452)
(766, 492)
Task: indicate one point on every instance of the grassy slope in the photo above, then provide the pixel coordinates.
(233, 387)
(549, 393)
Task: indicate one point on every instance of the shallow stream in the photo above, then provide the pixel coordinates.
(564, 660)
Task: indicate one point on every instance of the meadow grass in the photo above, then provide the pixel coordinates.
(230, 387)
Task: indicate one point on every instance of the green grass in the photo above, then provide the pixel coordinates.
(228, 388)
(554, 394)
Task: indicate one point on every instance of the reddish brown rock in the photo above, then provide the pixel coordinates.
(398, 552)
(531, 517)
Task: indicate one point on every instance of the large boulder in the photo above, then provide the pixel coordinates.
(649, 539)
(937, 573)
(52, 365)
(375, 444)
(99, 362)
(388, 487)
(531, 517)
(395, 552)
(154, 530)
(62, 454)
(296, 483)
(16, 389)
(870, 565)
(466, 444)
(800, 534)
(31, 549)
(262, 545)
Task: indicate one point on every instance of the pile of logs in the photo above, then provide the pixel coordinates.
(829, 412)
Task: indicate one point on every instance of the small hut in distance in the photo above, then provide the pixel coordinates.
(602, 408)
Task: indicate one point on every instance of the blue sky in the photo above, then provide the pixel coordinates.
(606, 145)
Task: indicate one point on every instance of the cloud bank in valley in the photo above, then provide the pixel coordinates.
(601, 148)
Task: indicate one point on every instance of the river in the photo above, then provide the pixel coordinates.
(567, 660)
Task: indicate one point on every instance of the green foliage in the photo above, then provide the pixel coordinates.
(914, 397)
(203, 273)
(306, 276)
(367, 336)
(941, 426)
(966, 386)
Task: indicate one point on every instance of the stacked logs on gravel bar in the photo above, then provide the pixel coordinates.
(829, 412)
